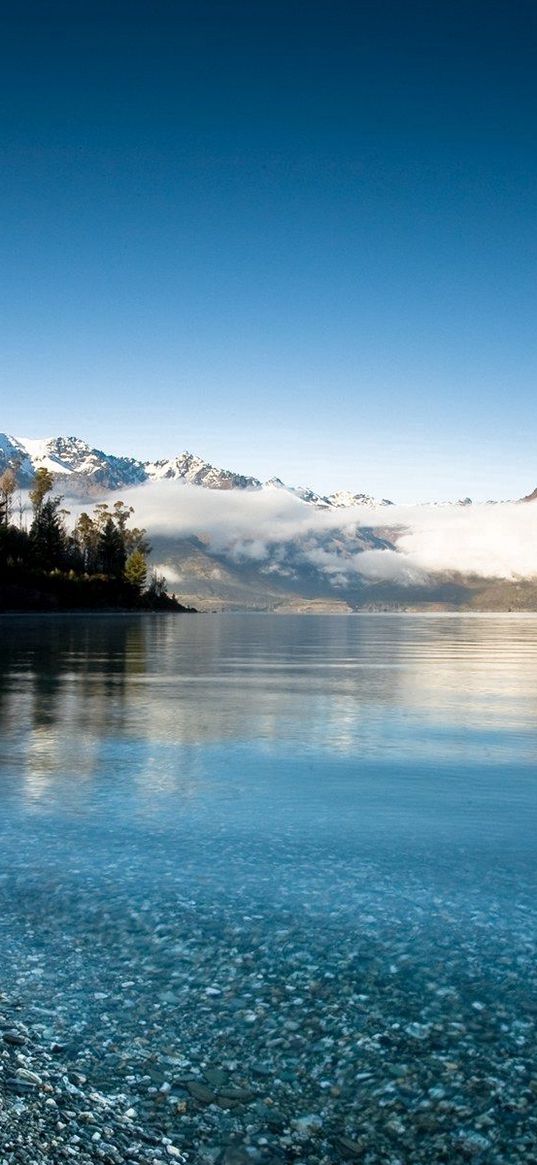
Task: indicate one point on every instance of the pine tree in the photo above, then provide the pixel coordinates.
(136, 570)
(111, 549)
(47, 534)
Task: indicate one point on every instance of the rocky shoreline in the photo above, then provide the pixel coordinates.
(212, 1033)
(49, 1113)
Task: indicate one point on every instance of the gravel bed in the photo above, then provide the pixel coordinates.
(256, 1018)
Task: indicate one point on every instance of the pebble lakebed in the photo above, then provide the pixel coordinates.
(233, 1018)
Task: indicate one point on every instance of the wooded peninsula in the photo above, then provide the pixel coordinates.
(101, 564)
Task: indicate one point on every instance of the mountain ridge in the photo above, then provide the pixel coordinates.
(73, 458)
(85, 465)
(311, 553)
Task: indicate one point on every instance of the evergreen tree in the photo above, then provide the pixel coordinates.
(86, 540)
(157, 586)
(42, 485)
(111, 551)
(115, 547)
(49, 562)
(136, 570)
(15, 546)
(121, 515)
(101, 514)
(136, 539)
(47, 534)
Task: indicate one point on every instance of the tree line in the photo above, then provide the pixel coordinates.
(102, 548)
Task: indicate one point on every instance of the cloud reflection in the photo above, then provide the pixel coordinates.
(92, 707)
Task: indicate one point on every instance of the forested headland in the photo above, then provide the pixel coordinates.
(99, 564)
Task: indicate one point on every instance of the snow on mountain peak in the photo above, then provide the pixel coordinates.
(343, 498)
(190, 468)
(73, 458)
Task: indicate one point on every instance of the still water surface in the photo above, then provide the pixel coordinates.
(327, 822)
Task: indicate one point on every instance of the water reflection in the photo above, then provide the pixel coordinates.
(344, 806)
(424, 688)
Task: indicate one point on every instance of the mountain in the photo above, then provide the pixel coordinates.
(343, 499)
(310, 566)
(213, 581)
(68, 457)
(89, 469)
(72, 458)
(188, 467)
(271, 546)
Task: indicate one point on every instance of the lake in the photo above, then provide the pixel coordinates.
(268, 888)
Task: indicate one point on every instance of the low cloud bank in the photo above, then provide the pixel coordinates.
(492, 541)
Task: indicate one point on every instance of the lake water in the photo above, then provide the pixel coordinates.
(271, 881)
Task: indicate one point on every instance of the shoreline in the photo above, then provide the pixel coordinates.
(77, 612)
(248, 612)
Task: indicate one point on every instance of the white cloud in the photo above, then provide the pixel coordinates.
(487, 540)
(493, 541)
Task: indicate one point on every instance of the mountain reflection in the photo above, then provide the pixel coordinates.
(106, 699)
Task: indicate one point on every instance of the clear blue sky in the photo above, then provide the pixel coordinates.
(295, 237)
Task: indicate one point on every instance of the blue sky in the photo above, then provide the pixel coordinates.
(295, 238)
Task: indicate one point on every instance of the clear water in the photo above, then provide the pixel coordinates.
(330, 821)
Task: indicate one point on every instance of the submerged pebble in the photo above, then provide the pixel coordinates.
(379, 1067)
(240, 924)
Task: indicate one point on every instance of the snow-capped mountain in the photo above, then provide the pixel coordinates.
(67, 457)
(188, 467)
(71, 458)
(345, 498)
(267, 545)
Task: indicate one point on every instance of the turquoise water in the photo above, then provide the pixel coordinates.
(285, 801)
